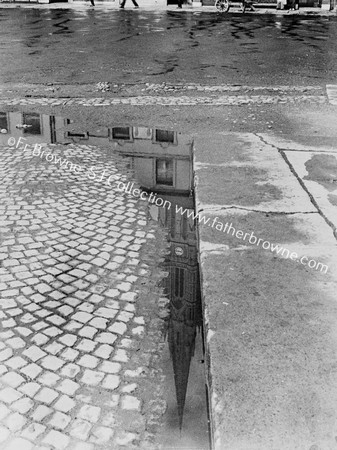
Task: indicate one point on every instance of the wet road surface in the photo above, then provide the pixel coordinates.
(138, 46)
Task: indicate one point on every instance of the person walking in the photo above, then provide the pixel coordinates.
(247, 4)
(133, 1)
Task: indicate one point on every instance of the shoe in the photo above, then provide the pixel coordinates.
(137, 6)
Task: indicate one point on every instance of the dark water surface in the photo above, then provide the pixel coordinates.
(137, 46)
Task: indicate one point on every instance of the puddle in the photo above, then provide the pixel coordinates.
(166, 169)
(185, 424)
(161, 161)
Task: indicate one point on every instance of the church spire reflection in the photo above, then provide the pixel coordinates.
(182, 288)
(162, 161)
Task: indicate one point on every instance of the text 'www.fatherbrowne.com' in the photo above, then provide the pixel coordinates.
(227, 228)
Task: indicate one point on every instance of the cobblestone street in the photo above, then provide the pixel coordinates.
(80, 338)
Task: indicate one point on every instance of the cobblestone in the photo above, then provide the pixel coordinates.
(110, 367)
(118, 328)
(9, 395)
(19, 443)
(88, 361)
(23, 405)
(33, 431)
(15, 421)
(56, 439)
(101, 435)
(90, 413)
(48, 378)
(64, 403)
(59, 420)
(4, 411)
(41, 412)
(13, 379)
(276, 95)
(70, 282)
(46, 395)
(92, 378)
(80, 429)
(111, 382)
(130, 403)
(68, 387)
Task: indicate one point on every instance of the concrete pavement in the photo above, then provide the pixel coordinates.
(270, 315)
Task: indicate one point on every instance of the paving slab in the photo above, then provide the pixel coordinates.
(268, 285)
(301, 142)
(246, 172)
(318, 172)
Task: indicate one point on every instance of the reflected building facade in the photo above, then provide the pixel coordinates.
(41, 128)
(162, 162)
(182, 287)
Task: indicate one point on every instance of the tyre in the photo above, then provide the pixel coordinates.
(222, 5)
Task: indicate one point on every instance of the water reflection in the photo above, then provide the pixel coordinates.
(182, 288)
(41, 128)
(161, 161)
(171, 178)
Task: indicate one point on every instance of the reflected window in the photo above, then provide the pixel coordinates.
(122, 133)
(164, 172)
(179, 282)
(165, 136)
(142, 133)
(76, 135)
(34, 122)
(52, 126)
(4, 122)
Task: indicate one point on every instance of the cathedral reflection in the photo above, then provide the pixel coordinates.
(162, 161)
(183, 289)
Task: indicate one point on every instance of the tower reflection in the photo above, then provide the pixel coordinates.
(162, 162)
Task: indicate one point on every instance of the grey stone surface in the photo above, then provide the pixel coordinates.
(66, 331)
(270, 318)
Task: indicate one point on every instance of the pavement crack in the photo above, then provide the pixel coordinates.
(242, 208)
(302, 184)
(312, 199)
(262, 139)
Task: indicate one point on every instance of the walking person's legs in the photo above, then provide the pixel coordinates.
(135, 3)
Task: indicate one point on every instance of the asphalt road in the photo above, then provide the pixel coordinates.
(86, 46)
